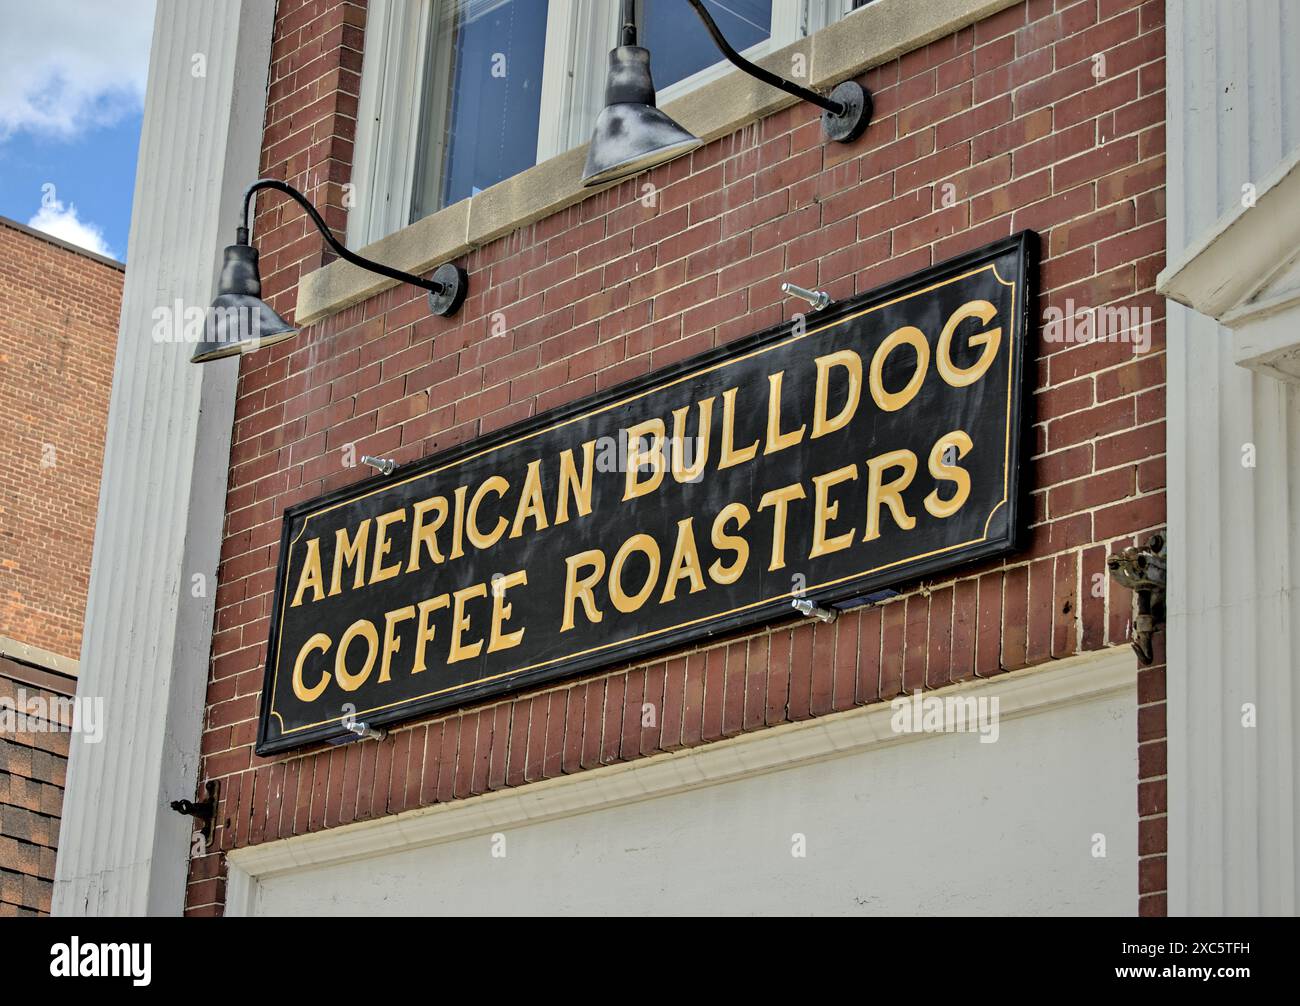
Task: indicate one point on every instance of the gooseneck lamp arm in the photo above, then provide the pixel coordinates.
(446, 289)
(239, 321)
(846, 113)
(628, 30)
(754, 70)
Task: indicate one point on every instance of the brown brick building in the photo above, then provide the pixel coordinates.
(1034, 116)
(58, 335)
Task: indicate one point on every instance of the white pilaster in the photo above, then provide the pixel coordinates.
(122, 850)
(1234, 487)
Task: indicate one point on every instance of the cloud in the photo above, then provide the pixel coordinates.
(70, 65)
(59, 221)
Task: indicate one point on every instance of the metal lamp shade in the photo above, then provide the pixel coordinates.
(631, 134)
(239, 321)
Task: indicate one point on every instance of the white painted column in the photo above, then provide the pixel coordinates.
(122, 850)
(1234, 611)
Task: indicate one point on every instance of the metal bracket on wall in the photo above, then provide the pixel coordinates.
(1143, 571)
(846, 112)
(204, 811)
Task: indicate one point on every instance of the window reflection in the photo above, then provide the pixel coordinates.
(482, 98)
(673, 32)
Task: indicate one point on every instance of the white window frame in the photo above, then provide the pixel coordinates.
(579, 35)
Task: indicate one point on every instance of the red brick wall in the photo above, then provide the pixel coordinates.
(58, 336)
(1008, 111)
(1153, 829)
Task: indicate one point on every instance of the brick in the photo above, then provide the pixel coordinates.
(801, 672)
(939, 643)
(1006, 110)
(892, 641)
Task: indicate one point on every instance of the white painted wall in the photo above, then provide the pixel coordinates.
(1234, 531)
(940, 825)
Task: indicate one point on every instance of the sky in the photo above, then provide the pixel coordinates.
(72, 79)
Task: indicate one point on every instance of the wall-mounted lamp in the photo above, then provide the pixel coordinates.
(239, 321)
(632, 135)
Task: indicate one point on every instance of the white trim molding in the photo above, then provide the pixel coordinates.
(1022, 693)
(1242, 271)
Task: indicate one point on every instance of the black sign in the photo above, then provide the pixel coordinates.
(853, 449)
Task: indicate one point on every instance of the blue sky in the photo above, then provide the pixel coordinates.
(71, 100)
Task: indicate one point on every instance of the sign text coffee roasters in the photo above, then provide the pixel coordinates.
(868, 444)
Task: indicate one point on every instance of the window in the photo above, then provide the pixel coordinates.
(682, 52)
(457, 95)
(481, 98)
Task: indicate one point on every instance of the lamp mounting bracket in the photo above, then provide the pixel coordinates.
(846, 113)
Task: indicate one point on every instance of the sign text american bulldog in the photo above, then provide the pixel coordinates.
(828, 457)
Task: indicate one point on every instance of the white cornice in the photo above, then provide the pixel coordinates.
(1242, 272)
(1225, 268)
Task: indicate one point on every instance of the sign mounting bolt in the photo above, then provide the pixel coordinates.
(806, 608)
(819, 299)
(385, 465)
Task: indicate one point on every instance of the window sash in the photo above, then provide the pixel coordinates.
(579, 35)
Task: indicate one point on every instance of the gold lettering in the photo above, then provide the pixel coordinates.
(779, 500)
(824, 513)
(392, 642)
(424, 635)
(852, 363)
(701, 455)
(378, 571)
(960, 377)
(571, 484)
(352, 553)
(311, 575)
(348, 681)
(637, 543)
(951, 473)
(321, 642)
(729, 455)
(685, 562)
(501, 612)
(531, 503)
(888, 493)
(581, 589)
(460, 622)
(426, 534)
(654, 428)
(458, 523)
(721, 540)
(776, 440)
(892, 401)
(494, 484)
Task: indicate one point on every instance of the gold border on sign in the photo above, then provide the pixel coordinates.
(793, 337)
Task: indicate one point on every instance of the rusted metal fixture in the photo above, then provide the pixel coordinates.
(1142, 569)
